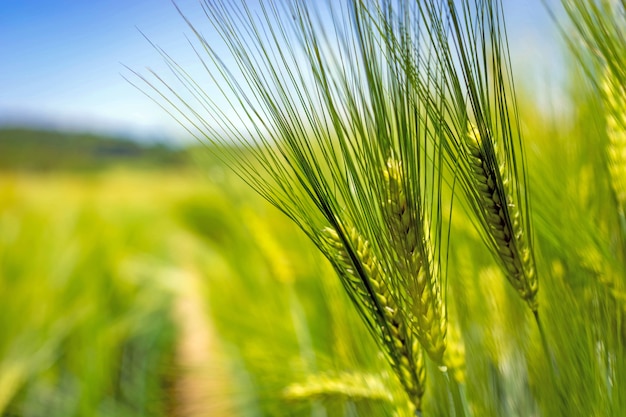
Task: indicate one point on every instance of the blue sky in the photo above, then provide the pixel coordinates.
(62, 61)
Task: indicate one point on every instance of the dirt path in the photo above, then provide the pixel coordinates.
(203, 383)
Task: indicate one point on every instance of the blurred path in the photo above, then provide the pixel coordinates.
(203, 382)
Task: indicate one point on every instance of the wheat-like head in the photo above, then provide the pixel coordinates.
(366, 283)
(615, 102)
(502, 215)
(410, 240)
(354, 385)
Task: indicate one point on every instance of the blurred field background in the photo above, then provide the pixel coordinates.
(143, 280)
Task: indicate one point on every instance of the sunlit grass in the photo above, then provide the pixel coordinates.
(85, 325)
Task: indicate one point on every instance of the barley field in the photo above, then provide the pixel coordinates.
(393, 228)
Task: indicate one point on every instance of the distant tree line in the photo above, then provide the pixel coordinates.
(26, 149)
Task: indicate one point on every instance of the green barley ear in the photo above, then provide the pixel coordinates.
(615, 102)
(409, 236)
(353, 386)
(502, 216)
(472, 74)
(596, 36)
(367, 286)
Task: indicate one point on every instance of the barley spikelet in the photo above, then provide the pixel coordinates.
(615, 102)
(348, 385)
(410, 241)
(503, 217)
(369, 289)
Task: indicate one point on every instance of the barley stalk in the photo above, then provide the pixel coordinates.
(405, 221)
(503, 217)
(365, 281)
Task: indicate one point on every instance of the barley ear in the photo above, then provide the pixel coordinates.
(501, 214)
(615, 102)
(407, 226)
(366, 284)
(351, 385)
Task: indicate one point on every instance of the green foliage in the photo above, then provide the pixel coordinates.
(84, 327)
(25, 149)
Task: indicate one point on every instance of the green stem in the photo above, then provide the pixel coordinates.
(554, 374)
(546, 347)
(458, 397)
